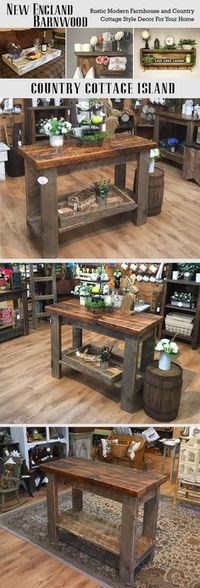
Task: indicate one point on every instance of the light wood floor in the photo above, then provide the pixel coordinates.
(23, 565)
(174, 233)
(29, 394)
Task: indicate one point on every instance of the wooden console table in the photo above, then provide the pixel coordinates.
(42, 199)
(132, 489)
(133, 330)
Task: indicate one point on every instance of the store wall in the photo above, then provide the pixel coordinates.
(84, 36)
(161, 34)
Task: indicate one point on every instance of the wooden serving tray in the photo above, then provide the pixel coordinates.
(22, 65)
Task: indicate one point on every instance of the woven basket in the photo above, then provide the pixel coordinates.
(119, 450)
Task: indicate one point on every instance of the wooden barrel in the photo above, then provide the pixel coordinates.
(155, 192)
(162, 391)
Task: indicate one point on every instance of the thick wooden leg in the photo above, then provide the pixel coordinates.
(141, 189)
(129, 392)
(120, 175)
(77, 499)
(49, 214)
(52, 507)
(150, 518)
(147, 351)
(56, 346)
(25, 313)
(76, 337)
(32, 196)
(128, 539)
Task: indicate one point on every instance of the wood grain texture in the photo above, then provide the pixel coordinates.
(44, 156)
(98, 474)
(168, 232)
(136, 325)
(25, 377)
(22, 563)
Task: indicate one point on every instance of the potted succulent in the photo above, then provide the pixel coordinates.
(56, 128)
(187, 44)
(101, 189)
(168, 350)
(105, 355)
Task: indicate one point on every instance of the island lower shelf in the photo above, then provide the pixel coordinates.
(102, 533)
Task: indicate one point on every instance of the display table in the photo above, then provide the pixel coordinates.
(14, 331)
(132, 489)
(133, 330)
(171, 445)
(47, 162)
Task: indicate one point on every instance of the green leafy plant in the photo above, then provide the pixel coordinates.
(105, 353)
(187, 42)
(101, 188)
(92, 138)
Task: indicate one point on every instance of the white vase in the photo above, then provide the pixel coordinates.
(164, 362)
(82, 300)
(56, 140)
(151, 166)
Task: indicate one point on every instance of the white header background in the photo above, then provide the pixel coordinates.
(188, 12)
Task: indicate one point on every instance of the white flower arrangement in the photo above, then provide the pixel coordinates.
(119, 36)
(167, 346)
(56, 126)
(93, 41)
(154, 153)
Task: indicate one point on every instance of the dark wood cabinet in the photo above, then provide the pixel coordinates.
(170, 286)
(34, 114)
(174, 124)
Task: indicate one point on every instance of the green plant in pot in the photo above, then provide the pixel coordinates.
(105, 355)
(101, 190)
(187, 44)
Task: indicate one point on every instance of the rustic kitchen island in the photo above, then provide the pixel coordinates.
(46, 217)
(135, 330)
(133, 489)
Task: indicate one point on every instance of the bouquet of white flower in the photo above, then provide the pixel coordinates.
(119, 36)
(93, 41)
(167, 346)
(56, 126)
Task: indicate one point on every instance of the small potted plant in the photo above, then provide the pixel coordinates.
(187, 44)
(168, 350)
(56, 128)
(105, 355)
(101, 189)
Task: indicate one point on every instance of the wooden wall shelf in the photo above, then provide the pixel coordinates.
(167, 58)
(169, 287)
(87, 59)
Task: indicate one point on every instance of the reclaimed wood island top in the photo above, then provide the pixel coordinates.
(127, 481)
(136, 325)
(44, 156)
